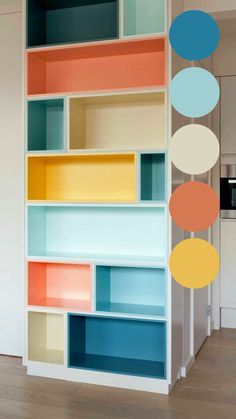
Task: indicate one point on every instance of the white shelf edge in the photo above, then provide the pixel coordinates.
(54, 310)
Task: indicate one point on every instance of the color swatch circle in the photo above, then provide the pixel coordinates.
(194, 263)
(194, 206)
(194, 35)
(194, 149)
(194, 92)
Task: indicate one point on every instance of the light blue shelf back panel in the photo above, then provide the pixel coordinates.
(135, 232)
(125, 346)
(144, 16)
(153, 177)
(46, 125)
(52, 22)
(125, 287)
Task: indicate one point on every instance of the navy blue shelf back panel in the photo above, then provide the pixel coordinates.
(66, 21)
(46, 125)
(117, 345)
(131, 290)
(153, 177)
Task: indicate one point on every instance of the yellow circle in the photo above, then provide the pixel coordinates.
(194, 263)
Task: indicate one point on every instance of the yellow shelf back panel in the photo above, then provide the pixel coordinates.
(84, 178)
(46, 337)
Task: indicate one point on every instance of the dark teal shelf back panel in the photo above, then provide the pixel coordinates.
(153, 177)
(52, 22)
(46, 125)
(131, 290)
(117, 345)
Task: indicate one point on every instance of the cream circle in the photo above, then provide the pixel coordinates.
(194, 149)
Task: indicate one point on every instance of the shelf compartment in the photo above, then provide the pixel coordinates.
(46, 125)
(46, 337)
(126, 290)
(153, 177)
(142, 17)
(84, 178)
(67, 286)
(53, 22)
(117, 346)
(124, 122)
(90, 232)
(110, 66)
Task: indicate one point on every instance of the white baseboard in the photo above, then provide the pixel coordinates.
(228, 318)
(98, 378)
(187, 367)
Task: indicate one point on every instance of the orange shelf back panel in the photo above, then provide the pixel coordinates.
(109, 66)
(67, 286)
(84, 178)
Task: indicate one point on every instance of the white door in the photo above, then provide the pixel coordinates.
(11, 186)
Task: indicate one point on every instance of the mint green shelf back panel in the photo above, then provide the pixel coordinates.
(144, 17)
(98, 232)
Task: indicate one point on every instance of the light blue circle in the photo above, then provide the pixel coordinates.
(194, 92)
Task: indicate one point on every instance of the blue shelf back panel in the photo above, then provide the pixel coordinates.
(105, 232)
(46, 125)
(67, 21)
(117, 345)
(131, 290)
(153, 177)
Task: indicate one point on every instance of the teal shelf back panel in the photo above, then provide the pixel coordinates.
(46, 125)
(142, 17)
(140, 291)
(117, 345)
(52, 22)
(97, 232)
(153, 177)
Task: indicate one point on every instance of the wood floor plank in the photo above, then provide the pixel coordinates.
(209, 392)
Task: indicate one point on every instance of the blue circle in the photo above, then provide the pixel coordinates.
(194, 92)
(194, 35)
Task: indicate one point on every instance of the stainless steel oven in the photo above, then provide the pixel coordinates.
(228, 191)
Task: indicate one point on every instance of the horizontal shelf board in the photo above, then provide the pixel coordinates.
(104, 67)
(140, 19)
(88, 178)
(46, 337)
(138, 309)
(71, 21)
(139, 121)
(123, 260)
(67, 304)
(141, 204)
(118, 365)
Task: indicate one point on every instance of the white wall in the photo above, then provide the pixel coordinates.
(212, 6)
(11, 181)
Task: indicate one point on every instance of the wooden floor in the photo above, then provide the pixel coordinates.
(208, 392)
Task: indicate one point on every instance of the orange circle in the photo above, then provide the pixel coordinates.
(194, 206)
